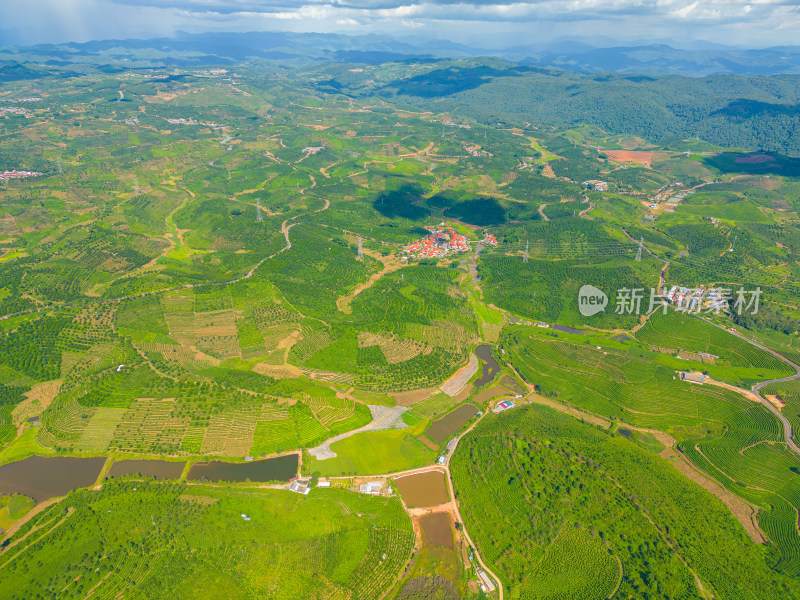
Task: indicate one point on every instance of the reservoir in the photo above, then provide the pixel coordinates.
(490, 366)
(160, 469)
(41, 478)
(442, 429)
(423, 489)
(282, 468)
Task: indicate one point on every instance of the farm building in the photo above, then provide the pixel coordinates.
(324, 484)
(300, 487)
(487, 581)
(693, 377)
(504, 405)
(371, 487)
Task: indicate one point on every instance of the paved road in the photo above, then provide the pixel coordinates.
(787, 426)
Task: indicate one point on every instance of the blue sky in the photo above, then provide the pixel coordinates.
(487, 23)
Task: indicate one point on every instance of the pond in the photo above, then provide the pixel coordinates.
(566, 329)
(41, 478)
(437, 530)
(423, 489)
(281, 468)
(443, 428)
(160, 469)
(489, 364)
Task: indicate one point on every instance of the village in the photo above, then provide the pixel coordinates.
(441, 242)
(697, 299)
(8, 175)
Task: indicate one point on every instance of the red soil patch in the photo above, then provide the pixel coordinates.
(644, 158)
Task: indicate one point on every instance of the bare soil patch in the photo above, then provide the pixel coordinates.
(36, 401)
(634, 156)
(414, 396)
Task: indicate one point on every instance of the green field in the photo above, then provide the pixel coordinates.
(148, 540)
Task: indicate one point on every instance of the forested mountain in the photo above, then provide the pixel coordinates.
(728, 110)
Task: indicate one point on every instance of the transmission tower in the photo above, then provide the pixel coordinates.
(733, 245)
(60, 167)
(360, 248)
(229, 173)
(259, 217)
(639, 251)
(525, 256)
(136, 186)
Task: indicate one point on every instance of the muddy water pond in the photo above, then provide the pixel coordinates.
(282, 468)
(443, 428)
(437, 530)
(423, 489)
(566, 329)
(41, 477)
(160, 469)
(488, 363)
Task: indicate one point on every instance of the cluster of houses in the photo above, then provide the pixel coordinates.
(475, 151)
(597, 185)
(28, 99)
(15, 110)
(694, 299)
(8, 175)
(191, 121)
(489, 239)
(439, 243)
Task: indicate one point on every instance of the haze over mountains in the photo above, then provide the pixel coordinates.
(595, 55)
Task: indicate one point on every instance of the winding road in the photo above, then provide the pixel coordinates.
(787, 426)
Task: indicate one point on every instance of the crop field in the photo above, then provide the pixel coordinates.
(681, 332)
(559, 510)
(329, 545)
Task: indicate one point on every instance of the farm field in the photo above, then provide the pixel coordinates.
(331, 543)
(217, 265)
(734, 440)
(561, 509)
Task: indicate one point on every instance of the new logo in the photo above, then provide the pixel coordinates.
(591, 300)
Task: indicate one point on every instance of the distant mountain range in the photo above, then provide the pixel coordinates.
(186, 50)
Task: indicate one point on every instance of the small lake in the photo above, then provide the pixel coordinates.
(489, 363)
(443, 428)
(437, 529)
(160, 469)
(423, 489)
(282, 468)
(44, 477)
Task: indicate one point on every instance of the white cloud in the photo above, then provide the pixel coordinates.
(753, 22)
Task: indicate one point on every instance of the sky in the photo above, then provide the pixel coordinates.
(484, 23)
